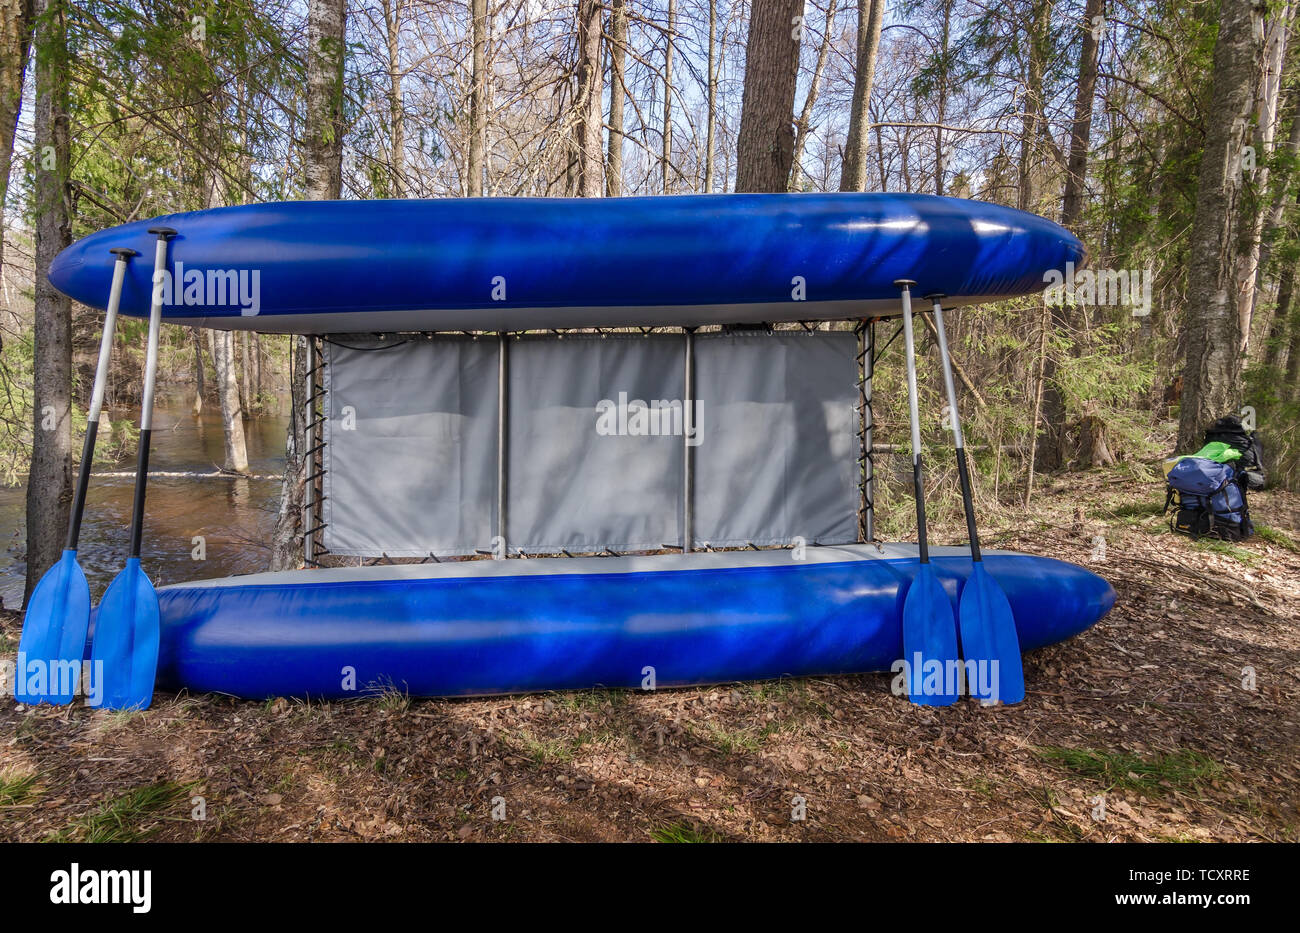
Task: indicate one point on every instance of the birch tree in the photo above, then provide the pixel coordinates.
(1212, 371)
(323, 175)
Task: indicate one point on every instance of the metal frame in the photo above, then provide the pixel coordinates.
(867, 355)
(866, 332)
(503, 428)
(688, 457)
(314, 494)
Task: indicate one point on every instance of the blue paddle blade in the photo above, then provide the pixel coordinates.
(54, 635)
(989, 640)
(930, 642)
(124, 655)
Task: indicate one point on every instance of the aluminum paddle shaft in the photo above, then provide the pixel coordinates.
(97, 394)
(150, 380)
(963, 473)
(905, 285)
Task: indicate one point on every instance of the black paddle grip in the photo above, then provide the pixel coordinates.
(920, 509)
(137, 508)
(83, 480)
(968, 504)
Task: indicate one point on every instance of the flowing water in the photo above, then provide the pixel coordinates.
(234, 516)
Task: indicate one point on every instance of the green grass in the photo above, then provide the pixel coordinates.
(1275, 536)
(778, 690)
(1180, 770)
(388, 696)
(1227, 549)
(134, 816)
(683, 832)
(1143, 509)
(111, 720)
(984, 787)
(544, 751)
(16, 789)
(729, 741)
(596, 698)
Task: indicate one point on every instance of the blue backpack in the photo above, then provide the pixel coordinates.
(1207, 499)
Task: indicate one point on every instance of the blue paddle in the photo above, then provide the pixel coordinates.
(988, 628)
(53, 642)
(929, 631)
(125, 651)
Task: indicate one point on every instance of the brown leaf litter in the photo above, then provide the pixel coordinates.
(1143, 728)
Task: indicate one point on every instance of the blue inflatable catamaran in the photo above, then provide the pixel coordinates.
(587, 441)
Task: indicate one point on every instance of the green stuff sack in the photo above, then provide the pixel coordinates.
(1219, 452)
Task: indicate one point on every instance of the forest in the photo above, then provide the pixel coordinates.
(1162, 132)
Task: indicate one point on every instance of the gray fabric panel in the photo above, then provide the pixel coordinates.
(570, 487)
(418, 473)
(778, 456)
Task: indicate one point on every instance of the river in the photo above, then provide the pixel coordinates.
(234, 516)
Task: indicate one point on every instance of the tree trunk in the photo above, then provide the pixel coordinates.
(1284, 317)
(853, 173)
(198, 371)
(49, 483)
(1282, 320)
(941, 95)
(666, 156)
(257, 364)
(588, 101)
(1041, 17)
(1038, 409)
(1081, 128)
(1281, 193)
(477, 99)
(323, 158)
(222, 347)
(1266, 113)
(392, 12)
(765, 146)
(245, 375)
(1094, 449)
(286, 543)
(1291, 384)
(810, 101)
(1212, 370)
(232, 416)
(617, 93)
(15, 43)
(323, 171)
(710, 142)
(1053, 454)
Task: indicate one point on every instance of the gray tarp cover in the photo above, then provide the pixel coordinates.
(411, 428)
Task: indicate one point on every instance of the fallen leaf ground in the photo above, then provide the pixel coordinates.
(1147, 719)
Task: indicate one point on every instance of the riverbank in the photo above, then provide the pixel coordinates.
(232, 515)
(1148, 720)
